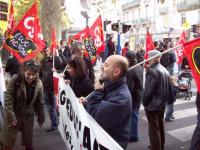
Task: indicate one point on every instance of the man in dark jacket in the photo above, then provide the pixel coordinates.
(110, 103)
(195, 142)
(134, 79)
(12, 66)
(158, 92)
(46, 75)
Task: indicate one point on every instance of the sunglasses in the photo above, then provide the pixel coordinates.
(31, 64)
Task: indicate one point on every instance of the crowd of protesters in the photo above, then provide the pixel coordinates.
(115, 100)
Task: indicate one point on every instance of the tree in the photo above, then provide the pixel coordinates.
(51, 14)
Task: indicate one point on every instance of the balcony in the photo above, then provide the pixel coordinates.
(131, 4)
(163, 10)
(187, 5)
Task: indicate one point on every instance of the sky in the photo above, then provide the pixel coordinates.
(74, 11)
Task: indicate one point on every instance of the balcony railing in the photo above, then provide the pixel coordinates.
(187, 5)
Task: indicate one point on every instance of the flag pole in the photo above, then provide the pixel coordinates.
(171, 49)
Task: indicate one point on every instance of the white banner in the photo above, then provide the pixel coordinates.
(77, 128)
(2, 84)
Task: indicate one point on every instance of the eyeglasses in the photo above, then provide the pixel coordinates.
(32, 64)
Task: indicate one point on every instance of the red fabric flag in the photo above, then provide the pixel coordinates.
(24, 41)
(180, 51)
(192, 53)
(53, 41)
(96, 31)
(149, 44)
(87, 39)
(11, 22)
(55, 86)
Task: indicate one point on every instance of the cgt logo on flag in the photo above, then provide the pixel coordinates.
(19, 43)
(196, 58)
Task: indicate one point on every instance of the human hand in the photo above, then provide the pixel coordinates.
(82, 100)
(67, 81)
(40, 125)
(53, 69)
(98, 85)
(14, 123)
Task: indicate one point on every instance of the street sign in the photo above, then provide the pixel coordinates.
(3, 7)
(3, 17)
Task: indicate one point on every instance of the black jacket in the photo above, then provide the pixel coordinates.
(198, 100)
(46, 73)
(90, 69)
(134, 79)
(111, 108)
(12, 66)
(82, 86)
(158, 88)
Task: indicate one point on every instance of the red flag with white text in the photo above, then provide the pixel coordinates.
(96, 31)
(180, 51)
(93, 39)
(192, 53)
(149, 44)
(25, 41)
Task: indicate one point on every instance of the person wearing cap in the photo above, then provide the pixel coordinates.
(134, 79)
(158, 92)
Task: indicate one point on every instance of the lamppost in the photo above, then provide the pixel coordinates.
(85, 15)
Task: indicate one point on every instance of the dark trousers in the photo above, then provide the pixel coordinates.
(134, 123)
(156, 129)
(195, 142)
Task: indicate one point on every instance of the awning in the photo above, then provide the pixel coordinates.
(187, 5)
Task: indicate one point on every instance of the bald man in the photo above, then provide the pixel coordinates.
(111, 104)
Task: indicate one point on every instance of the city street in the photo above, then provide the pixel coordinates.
(95, 61)
(178, 133)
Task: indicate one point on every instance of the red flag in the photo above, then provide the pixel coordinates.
(192, 53)
(179, 51)
(24, 41)
(53, 41)
(55, 86)
(149, 44)
(11, 22)
(96, 31)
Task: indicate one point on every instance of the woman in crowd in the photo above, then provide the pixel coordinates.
(23, 99)
(79, 81)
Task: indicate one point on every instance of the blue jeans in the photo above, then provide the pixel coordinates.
(195, 142)
(169, 110)
(134, 123)
(51, 106)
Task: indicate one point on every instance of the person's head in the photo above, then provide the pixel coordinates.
(165, 47)
(78, 48)
(155, 43)
(62, 42)
(114, 67)
(30, 71)
(126, 44)
(76, 67)
(131, 56)
(46, 51)
(153, 53)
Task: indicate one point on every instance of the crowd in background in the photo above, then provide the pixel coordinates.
(115, 100)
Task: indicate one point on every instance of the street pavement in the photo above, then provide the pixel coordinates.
(178, 133)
